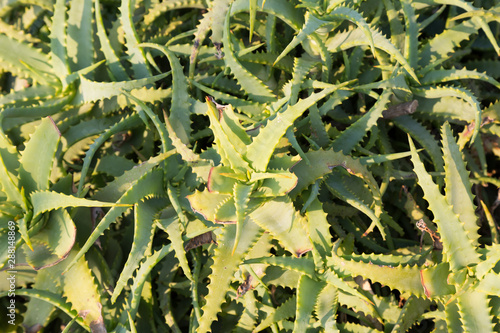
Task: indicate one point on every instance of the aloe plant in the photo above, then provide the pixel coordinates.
(311, 166)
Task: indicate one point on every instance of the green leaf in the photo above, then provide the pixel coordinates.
(280, 218)
(445, 75)
(489, 284)
(456, 244)
(116, 68)
(225, 265)
(241, 195)
(340, 185)
(307, 293)
(135, 53)
(149, 185)
(332, 278)
(81, 291)
(422, 135)
(38, 311)
(44, 201)
(58, 56)
(284, 311)
(8, 177)
(91, 91)
(219, 9)
(53, 243)
(179, 113)
(114, 190)
(37, 158)
(144, 214)
(260, 150)
(442, 46)
(474, 312)
(226, 148)
(438, 92)
(256, 90)
(176, 229)
(357, 37)
(26, 61)
(411, 313)
(80, 47)
(160, 127)
(140, 278)
(349, 138)
(340, 13)
(275, 183)
(208, 204)
(222, 180)
(435, 281)
(302, 265)
(52, 298)
(458, 187)
(319, 232)
(326, 307)
(411, 33)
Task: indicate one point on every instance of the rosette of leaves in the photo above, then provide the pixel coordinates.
(453, 281)
(248, 192)
(43, 239)
(456, 278)
(246, 179)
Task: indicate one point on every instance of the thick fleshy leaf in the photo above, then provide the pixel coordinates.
(227, 149)
(226, 261)
(222, 179)
(456, 245)
(280, 218)
(81, 291)
(275, 183)
(44, 201)
(53, 243)
(37, 158)
(458, 186)
(208, 203)
(262, 147)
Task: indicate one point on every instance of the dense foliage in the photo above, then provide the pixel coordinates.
(249, 165)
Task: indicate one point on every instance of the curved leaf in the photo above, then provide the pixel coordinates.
(38, 157)
(225, 264)
(456, 244)
(256, 90)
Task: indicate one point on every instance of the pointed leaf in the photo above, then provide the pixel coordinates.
(137, 57)
(80, 46)
(44, 201)
(59, 59)
(241, 195)
(254, 87)
(144, 214)
(307, 292)
(456, 245)
(208, 203)
(275, 183)
(349, 138)
(116, 68)
(81, 291)
(53, 243)
(225, 265)
(151, 184)
(179, 113)
(230, 155)
(37, 158)
(475, 312)
(458, 187)
(262, 147)
(285, 224)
